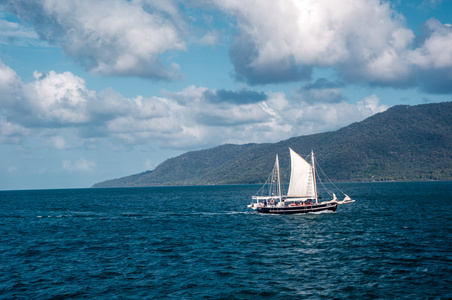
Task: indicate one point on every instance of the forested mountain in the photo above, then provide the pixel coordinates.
(402, 143)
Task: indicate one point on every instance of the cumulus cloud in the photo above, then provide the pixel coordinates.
(363, 40)
(57, 98)
(254, 70)
(433, 60)
(61, 109)
(10, 85)
(302, 117)
(109, 37)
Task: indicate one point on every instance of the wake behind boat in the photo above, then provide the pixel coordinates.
(302, 195)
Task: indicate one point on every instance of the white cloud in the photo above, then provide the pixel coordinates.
(432, 61)
(10, 85)
(436, 52)
(58, 98)
(272, 119)
(277, 41)
(59, 108)
(365, 38)
(370, 106)
(302, 118)
(109, 37)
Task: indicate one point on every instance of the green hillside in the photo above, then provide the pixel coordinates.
(402, 143)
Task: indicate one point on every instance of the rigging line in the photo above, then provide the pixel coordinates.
(263, 186)
(323, 184)
(269, 184)
(330, 180)
(321, 181)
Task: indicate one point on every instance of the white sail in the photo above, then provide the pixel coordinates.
(301, 177)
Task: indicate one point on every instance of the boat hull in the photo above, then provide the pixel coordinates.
(297, 209)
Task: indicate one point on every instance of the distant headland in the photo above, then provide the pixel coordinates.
(402, 143)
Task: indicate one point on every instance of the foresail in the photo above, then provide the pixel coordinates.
(301, 177)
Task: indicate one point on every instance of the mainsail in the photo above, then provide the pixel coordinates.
(301, 177)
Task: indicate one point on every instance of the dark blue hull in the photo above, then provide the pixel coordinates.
(297, 209)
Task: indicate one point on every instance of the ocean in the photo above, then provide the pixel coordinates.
(394, 242)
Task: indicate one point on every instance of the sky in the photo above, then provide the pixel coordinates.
(96, 90)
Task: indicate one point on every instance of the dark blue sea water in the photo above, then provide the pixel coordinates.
(394, 242)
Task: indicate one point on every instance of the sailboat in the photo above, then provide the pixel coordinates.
(301, 197)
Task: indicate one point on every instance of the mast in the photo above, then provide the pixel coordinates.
(279, 179)
(313, 175)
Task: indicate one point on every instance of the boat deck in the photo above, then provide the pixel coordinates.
(272, 209)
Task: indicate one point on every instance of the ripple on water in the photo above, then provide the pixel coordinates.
(197, 242)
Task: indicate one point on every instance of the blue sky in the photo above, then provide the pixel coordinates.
(95, 90)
